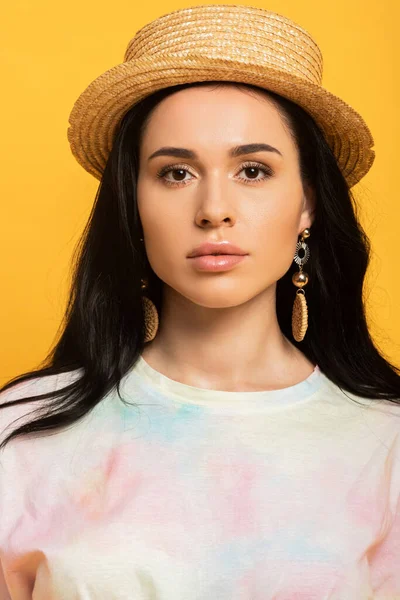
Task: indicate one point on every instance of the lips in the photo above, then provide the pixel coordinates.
(221, 262)
(216, 249)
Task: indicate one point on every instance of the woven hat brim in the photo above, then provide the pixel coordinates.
(101, 106)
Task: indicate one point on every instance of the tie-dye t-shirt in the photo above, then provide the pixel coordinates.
(186, 493)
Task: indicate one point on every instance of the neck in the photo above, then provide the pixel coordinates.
(238, 348)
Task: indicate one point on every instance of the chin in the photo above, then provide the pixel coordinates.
(219, 299)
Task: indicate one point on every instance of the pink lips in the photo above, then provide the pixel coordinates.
(216, 256)
(223, 262)
(223, 247)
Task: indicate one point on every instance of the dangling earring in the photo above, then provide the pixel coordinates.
(300, 279)
(150, 314)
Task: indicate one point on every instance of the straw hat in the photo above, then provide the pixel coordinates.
(218, 42)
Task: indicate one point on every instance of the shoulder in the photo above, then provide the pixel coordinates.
(374, 420)
(12, 412)
(380, 408)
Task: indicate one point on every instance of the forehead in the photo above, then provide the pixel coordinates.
(214, 117)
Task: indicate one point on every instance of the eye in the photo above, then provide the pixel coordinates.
(250, 167)
(181, 169)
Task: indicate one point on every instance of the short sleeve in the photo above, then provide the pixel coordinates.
(12, 487)
(10, 490)
(384, 559)
(385, 563)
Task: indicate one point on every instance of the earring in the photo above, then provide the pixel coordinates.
(300, 279)
(150, 316)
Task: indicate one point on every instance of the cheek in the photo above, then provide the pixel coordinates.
(165, 231)
(159, 211)
(274, 232)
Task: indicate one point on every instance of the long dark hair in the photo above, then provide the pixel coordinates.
(102, 334)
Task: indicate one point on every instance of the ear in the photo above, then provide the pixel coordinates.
(308, 211)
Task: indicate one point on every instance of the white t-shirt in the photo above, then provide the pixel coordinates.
(196, 494)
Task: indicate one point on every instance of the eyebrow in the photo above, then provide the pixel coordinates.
(233, 152)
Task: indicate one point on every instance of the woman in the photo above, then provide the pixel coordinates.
(210, 426)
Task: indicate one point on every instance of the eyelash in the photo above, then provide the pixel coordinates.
(266, 170)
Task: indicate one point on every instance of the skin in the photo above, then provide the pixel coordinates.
(220, 330)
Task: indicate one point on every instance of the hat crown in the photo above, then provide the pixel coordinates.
(232, 33)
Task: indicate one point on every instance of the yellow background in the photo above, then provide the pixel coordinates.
(51, 51)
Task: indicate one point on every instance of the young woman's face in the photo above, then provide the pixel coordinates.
(254, 200)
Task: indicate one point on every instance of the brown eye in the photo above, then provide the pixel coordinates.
(252, 169)
(181, 173)
(174, 169)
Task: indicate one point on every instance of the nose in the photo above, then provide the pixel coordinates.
(215, 209)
